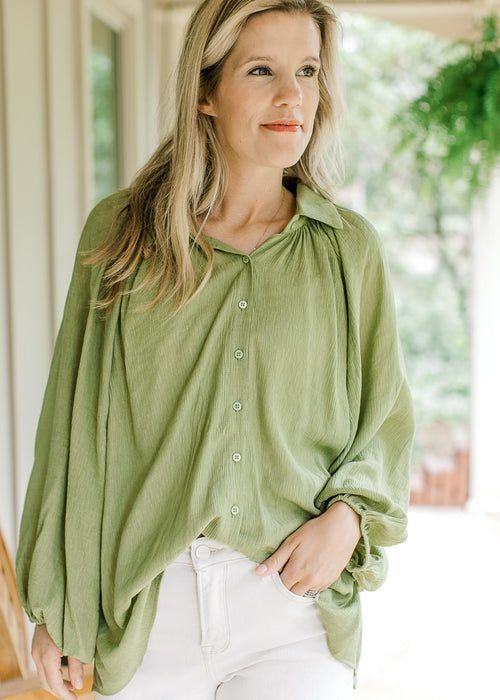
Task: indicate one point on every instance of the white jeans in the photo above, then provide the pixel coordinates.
(224, 633)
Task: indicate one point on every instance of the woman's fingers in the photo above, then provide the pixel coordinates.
(56, 685)
(277, 560)
(47, 658)
(75, 670)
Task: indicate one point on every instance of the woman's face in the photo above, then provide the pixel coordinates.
(271, 75)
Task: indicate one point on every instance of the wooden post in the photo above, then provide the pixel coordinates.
(13, 655)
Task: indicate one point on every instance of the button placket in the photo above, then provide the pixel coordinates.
(241, 320)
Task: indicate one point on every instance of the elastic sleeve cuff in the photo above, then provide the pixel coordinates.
(368, 564)
(35, 619)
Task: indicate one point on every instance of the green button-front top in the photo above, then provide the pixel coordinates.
(133, 451)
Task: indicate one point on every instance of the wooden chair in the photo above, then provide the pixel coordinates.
(16, 680)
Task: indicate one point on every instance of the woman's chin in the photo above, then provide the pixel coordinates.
(284, 160)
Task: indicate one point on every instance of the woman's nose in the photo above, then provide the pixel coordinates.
(289, 92)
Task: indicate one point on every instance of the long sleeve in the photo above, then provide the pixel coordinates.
(372, 473)
(58, 556)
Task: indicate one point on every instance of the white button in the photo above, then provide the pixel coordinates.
(238, 354)
(237, 406)
(235, 510)
(203, 552)
(242, 304)
(236, 457)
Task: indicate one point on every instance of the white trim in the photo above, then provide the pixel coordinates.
(133, 98)
(8, 522)
(116, 14)
(86, 102)
(65, 148)
(169, 25)
(168, 5)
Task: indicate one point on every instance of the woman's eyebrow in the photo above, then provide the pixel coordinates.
(270, 59)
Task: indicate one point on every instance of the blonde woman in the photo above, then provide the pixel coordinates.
(224, 442)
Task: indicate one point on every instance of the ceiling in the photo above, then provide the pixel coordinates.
(453, 19)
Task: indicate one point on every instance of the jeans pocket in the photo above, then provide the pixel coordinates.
(303, 600)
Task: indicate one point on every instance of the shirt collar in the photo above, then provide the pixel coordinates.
(315, 206)
(307, 203)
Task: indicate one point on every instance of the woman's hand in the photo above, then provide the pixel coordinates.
(317, 552)
(47, 657)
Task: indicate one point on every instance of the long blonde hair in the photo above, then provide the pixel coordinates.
(186, 178)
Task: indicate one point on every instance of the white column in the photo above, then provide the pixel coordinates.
(65, 142)
(485, 369)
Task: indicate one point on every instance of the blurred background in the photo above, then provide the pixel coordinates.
(86, 94)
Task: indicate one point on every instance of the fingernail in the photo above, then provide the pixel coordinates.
(78, 684)
(261, 569)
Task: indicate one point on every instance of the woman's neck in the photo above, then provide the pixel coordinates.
(251, 213)
(252, 197)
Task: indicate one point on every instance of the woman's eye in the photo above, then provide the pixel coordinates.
(310, 71)
(307, 71)
(263, 70)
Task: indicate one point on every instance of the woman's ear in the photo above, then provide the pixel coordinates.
(205, 105)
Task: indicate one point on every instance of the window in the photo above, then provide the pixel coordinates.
(106, 127)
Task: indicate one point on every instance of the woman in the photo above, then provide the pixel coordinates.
(224, 442)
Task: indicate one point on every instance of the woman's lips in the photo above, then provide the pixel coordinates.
(291, 128)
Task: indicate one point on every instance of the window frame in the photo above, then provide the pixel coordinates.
(125, 18)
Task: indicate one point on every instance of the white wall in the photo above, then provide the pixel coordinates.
(45, 196)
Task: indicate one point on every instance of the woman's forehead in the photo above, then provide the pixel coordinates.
(266, 34)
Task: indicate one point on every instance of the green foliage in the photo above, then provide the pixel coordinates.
(453, 128)
(427, 239)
